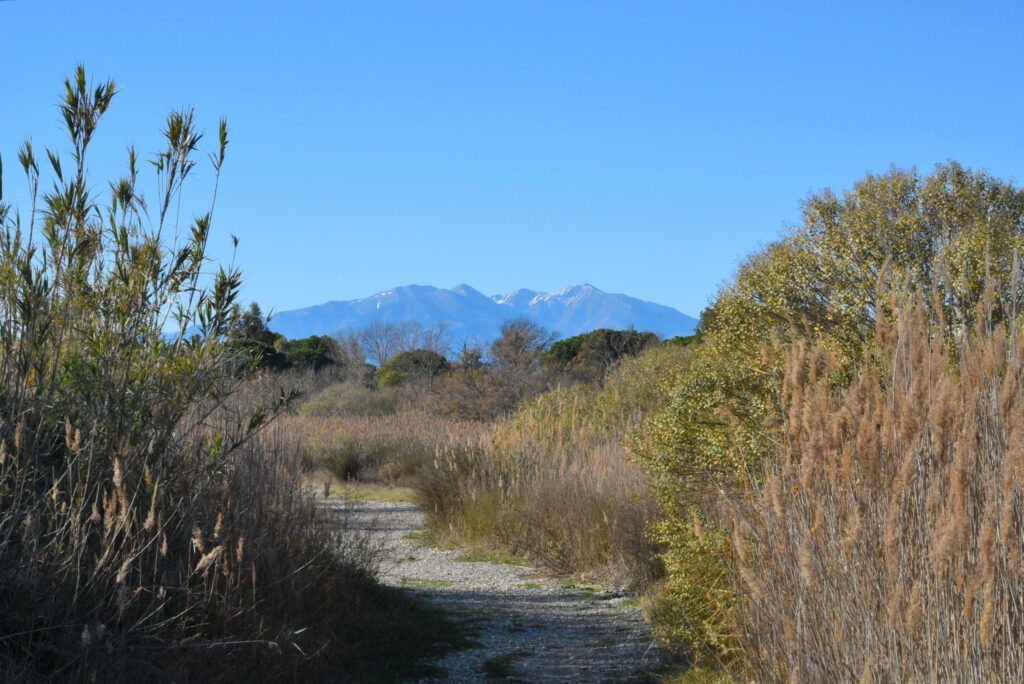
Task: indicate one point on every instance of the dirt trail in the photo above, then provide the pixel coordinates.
(532, 629)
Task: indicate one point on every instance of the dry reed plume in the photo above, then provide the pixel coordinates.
(148, 529)
(575, 506)
(885, 542)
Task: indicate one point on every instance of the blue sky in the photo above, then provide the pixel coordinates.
(643, 147)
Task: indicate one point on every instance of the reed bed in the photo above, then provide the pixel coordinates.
(885, 540)
(555, 479)
(576, 507)
(390, 448)
(211, 571)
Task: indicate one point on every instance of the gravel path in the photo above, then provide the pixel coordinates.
(531, 628)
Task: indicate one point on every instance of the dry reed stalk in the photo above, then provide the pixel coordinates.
(895, 548)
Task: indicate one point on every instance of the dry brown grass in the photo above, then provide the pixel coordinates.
(555, 479)
(392, 448)
(208, 571)
(578, 506)
(885, 542)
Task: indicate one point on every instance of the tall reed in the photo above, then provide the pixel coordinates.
(148, 529)
(885, 540)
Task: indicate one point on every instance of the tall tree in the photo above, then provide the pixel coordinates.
(381, 340)
(515, 357)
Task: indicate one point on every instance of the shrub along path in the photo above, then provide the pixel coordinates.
(529, 628)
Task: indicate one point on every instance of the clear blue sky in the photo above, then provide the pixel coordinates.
(643, 147)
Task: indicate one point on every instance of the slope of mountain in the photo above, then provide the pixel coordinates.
(470, 313)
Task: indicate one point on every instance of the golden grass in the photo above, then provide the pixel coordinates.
(885, 540)
(554, 481)
(579, 509)
(360, 491)
(390, 449)
(699, 675)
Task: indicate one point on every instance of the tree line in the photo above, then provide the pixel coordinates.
(477, 380)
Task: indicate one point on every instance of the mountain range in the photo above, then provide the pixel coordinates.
(472, 314)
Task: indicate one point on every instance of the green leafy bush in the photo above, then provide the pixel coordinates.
(313, 352)
(420, 366)
(349, 399)
(588, 357)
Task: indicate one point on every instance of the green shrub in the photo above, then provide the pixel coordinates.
(421, 366)
(349, 399)
(312, 352)
(588, 357)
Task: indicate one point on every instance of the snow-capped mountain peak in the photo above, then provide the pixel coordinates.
(515, 298)
(469, 313)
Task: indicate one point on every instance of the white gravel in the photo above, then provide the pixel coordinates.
(532, 628)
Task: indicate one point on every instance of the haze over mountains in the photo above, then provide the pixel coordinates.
(470, 313)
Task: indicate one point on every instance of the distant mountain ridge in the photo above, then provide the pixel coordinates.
(574, 310)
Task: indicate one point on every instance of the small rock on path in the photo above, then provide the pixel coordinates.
(532, 628)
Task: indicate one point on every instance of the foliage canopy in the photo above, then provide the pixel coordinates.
(588, 357)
